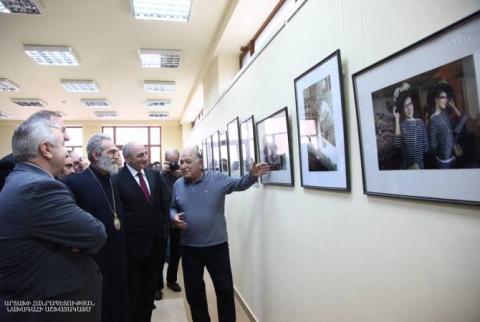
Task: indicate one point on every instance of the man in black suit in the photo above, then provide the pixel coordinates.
(45, 238)
(7, 163)
(96, 193)
(141, 193)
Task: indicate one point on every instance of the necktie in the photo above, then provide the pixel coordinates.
(143, 186)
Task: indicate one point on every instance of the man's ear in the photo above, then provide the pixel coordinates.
(44, 150)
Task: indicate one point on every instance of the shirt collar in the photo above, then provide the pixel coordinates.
(134, 172)
(36, 166)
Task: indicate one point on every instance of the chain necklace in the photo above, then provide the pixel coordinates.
(116, 221)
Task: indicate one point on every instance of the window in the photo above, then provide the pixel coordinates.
(76, 139)
(149, 136)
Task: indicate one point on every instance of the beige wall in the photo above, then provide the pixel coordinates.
(310, 255)
(171, 132)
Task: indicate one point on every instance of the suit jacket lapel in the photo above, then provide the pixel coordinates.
(132, 182)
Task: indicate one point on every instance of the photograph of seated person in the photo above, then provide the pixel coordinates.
(275, 161)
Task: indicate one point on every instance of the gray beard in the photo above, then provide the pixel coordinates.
(106, 164)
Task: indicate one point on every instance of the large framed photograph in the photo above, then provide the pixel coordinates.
(248, 143)
(224, 159)
(216, 151)
(274, 148)
(210, 165)
(204, 154)
(419, 118)
(321, 126)
(234, 149)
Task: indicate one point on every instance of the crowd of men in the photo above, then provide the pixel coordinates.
(88, 243)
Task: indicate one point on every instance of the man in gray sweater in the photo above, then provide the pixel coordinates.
(198, 208)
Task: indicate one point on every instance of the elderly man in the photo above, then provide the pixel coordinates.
(141, 194)
(77, 161)
(45, 237)
(8, 162)
(198, 207)
(67, 168)
(95, 192)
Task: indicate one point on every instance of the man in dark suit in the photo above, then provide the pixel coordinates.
(7, 163)
(45, 238)
(95, 192)
(141, 194)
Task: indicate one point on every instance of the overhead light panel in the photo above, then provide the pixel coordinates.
(52, 55)
(158, 115)
(95, 102)
(156, 58)
(79, 86)
(4, 115)
(29, 102)
(28, 7)
(167, 10)
(158, 86)
(106, 114)
(158, 103)
(7, 85)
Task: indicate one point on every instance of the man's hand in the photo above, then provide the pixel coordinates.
(179, 220)
(259, 169)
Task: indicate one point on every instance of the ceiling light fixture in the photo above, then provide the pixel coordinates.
(7, 85)
(158, 86)
(156, 58)
(106, 114)
(95, 102)
(29, 102)
(28, 7)
(79, 86)
(158, 115)
(168, 10)
(52, 55)
(158, 103)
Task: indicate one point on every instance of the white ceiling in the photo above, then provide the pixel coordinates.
(106, 38)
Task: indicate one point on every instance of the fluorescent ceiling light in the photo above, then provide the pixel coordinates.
(29, 102)
(7, 85)
(158, 115)
(79, 86)
(105, 114)
(156, 58)
(95, 102)
(158, 86)
(158, 103)
(4, 115)
(51, 55)
(29, 7)
(168, 10)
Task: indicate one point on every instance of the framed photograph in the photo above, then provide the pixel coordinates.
(248, 142)
(224, 159)
(273, 137)
(418, 118)
(234, 149)
(204, 154)
(216, 151)
(321, 123)
(209, 152)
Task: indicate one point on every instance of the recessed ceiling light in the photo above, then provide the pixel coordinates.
(52, 55)
(158, 103)
(158, 86)
(7, 85)
(158, 115)
(168, 10)
(79, 86)
(29, 7)
(156, 58)
(29, 102)
(95, 102)
(106, 114)
(4, 115)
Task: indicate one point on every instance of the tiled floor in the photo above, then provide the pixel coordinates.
(174, 307)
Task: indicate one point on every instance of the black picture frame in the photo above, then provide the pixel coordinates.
(234, 148)
(204, 154)
(321, 119)
(216, 151)
(432, 84)
(209, 149)
(274, 147)
(248, 143)
(224, 157)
